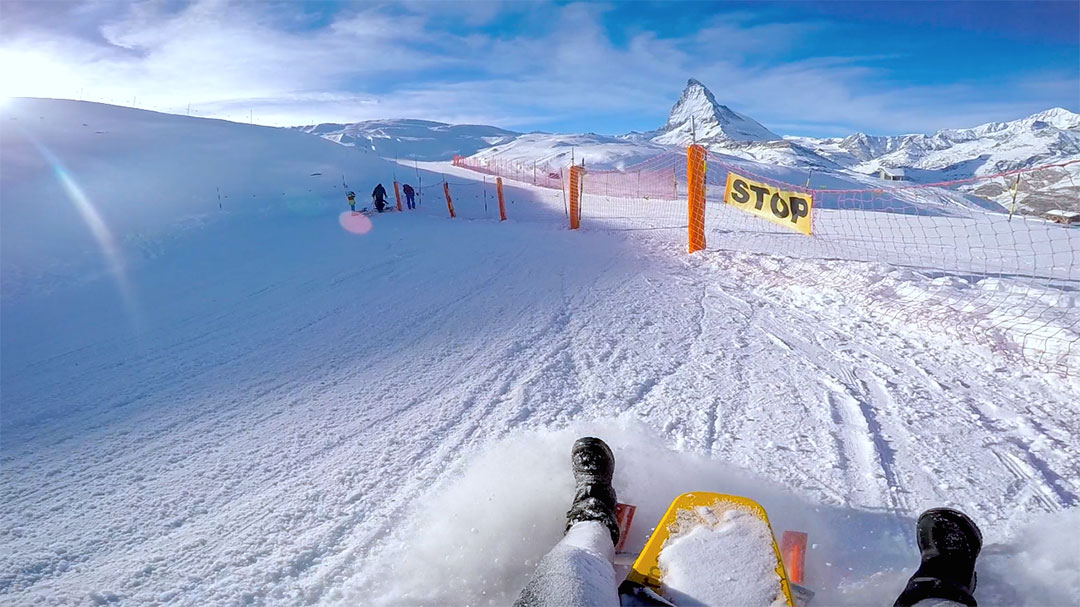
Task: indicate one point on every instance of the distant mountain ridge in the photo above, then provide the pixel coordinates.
(413, 139)
(546, 149)
(1048, 137)
(1004, 146)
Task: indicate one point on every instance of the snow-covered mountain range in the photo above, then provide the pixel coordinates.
(1039, 138)
(413, 139)
(1048, 137)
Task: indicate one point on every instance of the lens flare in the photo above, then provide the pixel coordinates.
(356, 223)
(96, 224)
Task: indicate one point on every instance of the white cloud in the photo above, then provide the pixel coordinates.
(446, 61)
(209, 53)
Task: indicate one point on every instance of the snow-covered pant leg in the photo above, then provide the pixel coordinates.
(938, 603)
(578, 571)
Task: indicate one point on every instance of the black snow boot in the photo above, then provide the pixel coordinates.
(594, 499)
(950, 542)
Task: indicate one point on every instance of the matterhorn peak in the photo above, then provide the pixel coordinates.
(698, 116)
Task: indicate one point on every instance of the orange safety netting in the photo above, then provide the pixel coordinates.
(954, 261)
(525, 172)
(928, 255)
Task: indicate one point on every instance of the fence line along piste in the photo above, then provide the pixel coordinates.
(936, 255)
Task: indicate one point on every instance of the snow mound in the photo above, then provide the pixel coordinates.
(730, 560)
(1038, 565)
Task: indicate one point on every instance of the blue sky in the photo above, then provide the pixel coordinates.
(800, 68)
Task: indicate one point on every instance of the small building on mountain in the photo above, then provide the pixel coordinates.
(1065, 217)
(889, 174)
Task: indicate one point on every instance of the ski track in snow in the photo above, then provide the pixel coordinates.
(296, 393)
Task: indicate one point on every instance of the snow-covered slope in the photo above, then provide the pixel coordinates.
(557, 150)
(777, 153)
(88, 186)
(413, 139)
(307, 415)
(698, 113)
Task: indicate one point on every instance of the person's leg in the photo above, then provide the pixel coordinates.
(594, 497)
(950, 543)
(579, 569)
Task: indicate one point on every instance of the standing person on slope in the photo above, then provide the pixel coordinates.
(579, 570)
(379, 196)
(409, 193)
(352, 201)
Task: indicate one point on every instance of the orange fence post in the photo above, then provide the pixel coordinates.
(502, 207)
(449, 203)
(575, 196)
(397, 195)
(695, 198)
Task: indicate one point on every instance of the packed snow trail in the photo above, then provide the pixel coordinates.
(300, 415)
(282, 412)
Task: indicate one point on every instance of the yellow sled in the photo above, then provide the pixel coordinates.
(646, 570)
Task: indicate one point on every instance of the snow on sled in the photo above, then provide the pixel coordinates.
(710, 549)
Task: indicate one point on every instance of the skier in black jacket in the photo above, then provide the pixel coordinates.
(379, 196)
